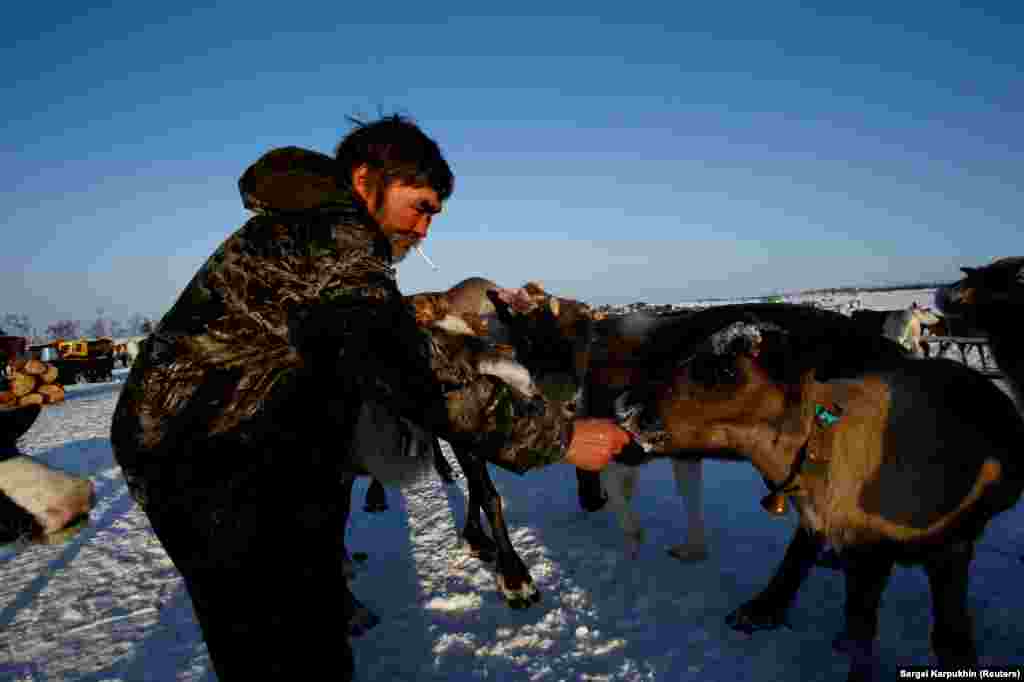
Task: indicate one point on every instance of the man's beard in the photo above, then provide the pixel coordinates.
(401, 245)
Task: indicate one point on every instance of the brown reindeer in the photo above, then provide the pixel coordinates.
(873, 462)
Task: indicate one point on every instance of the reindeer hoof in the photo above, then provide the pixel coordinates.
(754, 616)
(523, 597)
(688, 553)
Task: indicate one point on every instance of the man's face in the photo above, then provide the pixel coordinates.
(404, 213)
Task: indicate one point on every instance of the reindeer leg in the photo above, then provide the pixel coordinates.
(867, 572)
(376, 497)
(689, 475)
(513, 578)
(347, 481)
(588, 488)
(952, 636)
(441, 465)
(619, 480)
(767, 610)
(479, 542)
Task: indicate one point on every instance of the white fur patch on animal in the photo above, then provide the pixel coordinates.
(723, 338)
(453, 324)
(509, 371)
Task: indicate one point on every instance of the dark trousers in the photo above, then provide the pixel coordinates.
(260, 550)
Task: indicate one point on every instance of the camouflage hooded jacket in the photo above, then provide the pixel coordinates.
(288, 328)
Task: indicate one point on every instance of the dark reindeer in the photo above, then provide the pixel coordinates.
(546, 335)
(616, 362)
(990, 298)
(843, 426)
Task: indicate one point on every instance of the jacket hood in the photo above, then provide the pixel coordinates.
(292, 179)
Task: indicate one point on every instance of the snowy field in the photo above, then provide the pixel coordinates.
(109, 605)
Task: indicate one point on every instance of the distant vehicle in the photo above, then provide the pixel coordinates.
(82, 360)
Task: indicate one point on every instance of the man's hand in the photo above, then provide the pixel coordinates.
(594, 443)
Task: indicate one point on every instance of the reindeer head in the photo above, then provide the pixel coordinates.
(551, 336)
(984, 293)
(462, 353)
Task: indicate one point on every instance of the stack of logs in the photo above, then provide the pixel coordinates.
(32, 382)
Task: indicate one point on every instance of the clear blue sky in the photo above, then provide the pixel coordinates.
(650, 151)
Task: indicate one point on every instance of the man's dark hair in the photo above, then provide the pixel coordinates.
(394, 148)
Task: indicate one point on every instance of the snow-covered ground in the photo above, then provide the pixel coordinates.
(109, 605)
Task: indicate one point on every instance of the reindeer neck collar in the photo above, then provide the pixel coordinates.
(810, 460)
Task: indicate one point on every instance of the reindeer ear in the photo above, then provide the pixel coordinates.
(553, 305)
(534, 288)
(515, 300)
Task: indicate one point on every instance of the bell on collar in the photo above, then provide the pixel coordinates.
(774, 504)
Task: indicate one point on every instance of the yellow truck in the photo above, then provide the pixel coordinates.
(84, 360)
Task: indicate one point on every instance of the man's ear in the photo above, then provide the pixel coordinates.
(364, 183)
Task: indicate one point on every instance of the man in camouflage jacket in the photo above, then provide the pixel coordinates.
(237, 419)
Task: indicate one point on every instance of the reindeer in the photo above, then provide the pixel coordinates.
(905, 326)
(843, 425)
(617, 361)
(515, 336)
(990, 298)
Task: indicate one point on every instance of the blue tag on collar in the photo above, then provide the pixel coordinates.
(825, 417)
